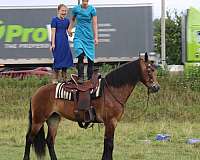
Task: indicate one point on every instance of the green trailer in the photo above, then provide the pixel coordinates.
(191, 38)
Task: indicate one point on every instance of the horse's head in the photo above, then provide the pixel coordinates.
(148, 74)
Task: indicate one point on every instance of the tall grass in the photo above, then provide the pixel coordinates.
(174, 110)
(178, 98)
(15, 95)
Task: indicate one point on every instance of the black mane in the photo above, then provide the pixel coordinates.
(128, 73)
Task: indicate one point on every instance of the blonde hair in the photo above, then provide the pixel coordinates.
(60, 6)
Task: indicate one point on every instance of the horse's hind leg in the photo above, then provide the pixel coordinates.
(33, 130)
(30, 139)
(52, 122)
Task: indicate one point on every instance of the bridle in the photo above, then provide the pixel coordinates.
(149, 73)
(148, 67)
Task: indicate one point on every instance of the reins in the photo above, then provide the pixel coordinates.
(123, 105)
(112, 93)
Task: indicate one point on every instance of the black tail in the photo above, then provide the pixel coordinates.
(30, 119)
(39, 143)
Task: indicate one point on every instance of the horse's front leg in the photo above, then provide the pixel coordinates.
(109, 139)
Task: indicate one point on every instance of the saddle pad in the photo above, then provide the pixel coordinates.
(61, 93)
(67, 95)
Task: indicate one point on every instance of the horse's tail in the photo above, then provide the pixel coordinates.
(30, 120)
(39, 143)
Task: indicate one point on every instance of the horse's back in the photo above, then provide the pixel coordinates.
(41, 100)
(45, 90)
(45, 103)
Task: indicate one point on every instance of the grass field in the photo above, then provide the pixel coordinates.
(132, 141)
(174, 110)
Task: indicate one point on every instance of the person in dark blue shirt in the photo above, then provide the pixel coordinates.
(59, 43)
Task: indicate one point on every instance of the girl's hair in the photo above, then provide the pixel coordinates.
(60, 6)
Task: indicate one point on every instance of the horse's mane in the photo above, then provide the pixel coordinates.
(128, 73)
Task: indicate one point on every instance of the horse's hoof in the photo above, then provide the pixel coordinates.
(26, 158)
(107, 158)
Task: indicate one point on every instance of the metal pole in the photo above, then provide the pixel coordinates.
(163, 55)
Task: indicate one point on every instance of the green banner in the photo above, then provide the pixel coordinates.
(193, 35)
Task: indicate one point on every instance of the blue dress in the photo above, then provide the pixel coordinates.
(84, 37)
(62, 52)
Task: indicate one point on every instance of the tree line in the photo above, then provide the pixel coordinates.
(173, 36)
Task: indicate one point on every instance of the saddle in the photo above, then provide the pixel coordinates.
(87, 85)
(83, 111)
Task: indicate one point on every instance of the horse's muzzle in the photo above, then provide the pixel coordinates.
(155, 87)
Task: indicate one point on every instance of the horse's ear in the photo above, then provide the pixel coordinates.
(139, 55)
(146, 57)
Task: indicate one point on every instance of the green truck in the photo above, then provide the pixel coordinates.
(191, 38)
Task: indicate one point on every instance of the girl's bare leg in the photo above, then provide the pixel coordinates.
(55, 76)
(64, 75)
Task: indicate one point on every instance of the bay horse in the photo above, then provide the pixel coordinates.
(118, 85)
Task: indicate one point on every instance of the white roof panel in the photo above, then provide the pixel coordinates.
(40, 3)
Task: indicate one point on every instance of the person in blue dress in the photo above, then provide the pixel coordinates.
(59, 43)
(86, 36)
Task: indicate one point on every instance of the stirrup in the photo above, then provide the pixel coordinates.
(85, 125)
(90, 113)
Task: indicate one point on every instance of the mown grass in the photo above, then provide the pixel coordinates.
(174, 110)
(132, 141)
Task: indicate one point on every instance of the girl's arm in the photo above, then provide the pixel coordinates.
(71, 25)
(95, 30)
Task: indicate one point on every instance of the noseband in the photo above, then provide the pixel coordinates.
(149, 69)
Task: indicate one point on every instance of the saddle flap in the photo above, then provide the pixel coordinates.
(84, 100)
